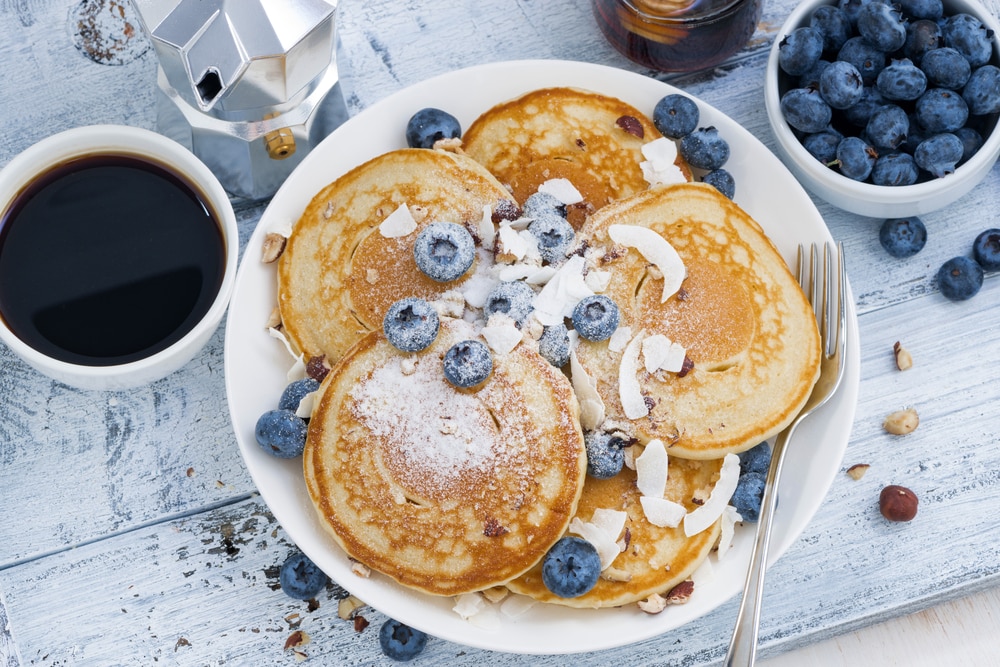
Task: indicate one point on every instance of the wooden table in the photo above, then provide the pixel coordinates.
(133, 535)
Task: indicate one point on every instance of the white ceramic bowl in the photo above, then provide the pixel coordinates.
(865, 198)
(123, 140)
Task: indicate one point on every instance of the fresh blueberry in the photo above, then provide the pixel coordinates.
(748, 495)
(939, 154)
(430, 125)
(982, 91)
(972, 141)
(864, 56)
(833, 24)
(922, 9)
(411, 324)
(542, 203)
(295, 392)
(553, 345)
(901, 80)
(756, 459)
(859, 114)
(841, 85)
(882, 25)
(810, 79)
(888, 127)
(595, 317)
(704, 149)
(805, 110)
(800, 50)
(941, 110)
(605, 454)
(895, 169)
(515, 298)
(281, 433)
(946, 68)
(855, 158)
(444, 251)
(969, 36)
(960, 278)
(903, 237)
(851, 9)
(571, 567)
(401, 642)
(301, 578)
(722, 180)
(922, 37)
(986, 249)
(675, 116)
(554, 235)
(467, 363)
(823, 145)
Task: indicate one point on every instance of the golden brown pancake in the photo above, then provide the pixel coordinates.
(338, 274)
(747, 326)
(446, 491)
(565, 133)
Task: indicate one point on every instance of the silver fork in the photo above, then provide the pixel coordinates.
(826, 288)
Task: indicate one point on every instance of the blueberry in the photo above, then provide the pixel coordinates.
(986, 249)
(554, 235)
(888, 127)
(882, 25)
(982, 91)
(301, 578)
(859, 114)
(295, 392)
(411, 324)
(467, 363)
(922, 9)
(430, 125)
(571, 567)
(895, 169)
(444, 251)
(922, 37)
(901, 80)
(748, 495)
(675, 116)
(799, 50)
(941, 110)
(704, 149)
(281, 433)
(756, 459)
(946, 68)
(515, 298)
(903, 237)
(805, 110)
(812, 76)
(833, 24)
(401, 642)
(595, 317)
(960, 278)
(939, 154)
(542, 203)
(972, 141)
(863, 55)
(605, 454)
(823, 145)
(968, 36)
(553, 345)
(841, 85)
(851, 9)
(855, 158)
(722, 181)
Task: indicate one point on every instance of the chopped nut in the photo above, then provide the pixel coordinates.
(360, 623)
(615, 574)
(902, 422)
(450, 144)
(494, 529)
(297, 638)
(317, 368)
(631, 125)
(371, 276)
(348, 607)
(903, 358)
(273, 246)
(858, 470)
(654, 604)
(408, 365)
(897, 503)
(680, 593)
(360, 569)
(418, 213)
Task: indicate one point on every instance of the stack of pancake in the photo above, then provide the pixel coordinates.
(450, 490)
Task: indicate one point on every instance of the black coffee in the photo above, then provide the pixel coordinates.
(108, 259)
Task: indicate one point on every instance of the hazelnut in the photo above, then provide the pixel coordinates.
(902, 422)
(904, 360)
(897, 503)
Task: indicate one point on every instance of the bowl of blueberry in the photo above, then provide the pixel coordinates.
(886, 109)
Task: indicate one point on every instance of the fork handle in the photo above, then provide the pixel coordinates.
(743, 645)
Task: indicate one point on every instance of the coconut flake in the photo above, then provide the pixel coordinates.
(610, 521)
(585, 387)
(468, 604)
(661, 353)
(605, 544)
(512, 243)
(501, 334)
(562, 189)
(562, 292)
(656, 250)
(598, 280)
(298, 368)
(660, 166)
(620, 338)
(730, 516)
(651, 469)
(487, 618)
(633, 402)
(517, 605)
(398, 223)
(487, 232)
(306, 404)
(662, 512)
(540, 276)
(702, 517)
(282, 227)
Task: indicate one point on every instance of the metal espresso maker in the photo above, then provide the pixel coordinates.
(249, 86)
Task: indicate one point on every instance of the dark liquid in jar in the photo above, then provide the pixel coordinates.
(108, 259)
(700, 34)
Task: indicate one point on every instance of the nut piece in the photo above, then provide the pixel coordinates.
(348, 607)
(631, 125)
(903, 358)
(858, 470)
(897, 503)
(654, 604)
(681, 593)
(902, 422)
(273, 246)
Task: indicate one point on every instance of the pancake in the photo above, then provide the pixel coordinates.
(656, 559)
(338, 274)
(447, 491)
(745, 323)
(565, 133)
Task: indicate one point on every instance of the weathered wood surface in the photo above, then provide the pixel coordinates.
(131, 532)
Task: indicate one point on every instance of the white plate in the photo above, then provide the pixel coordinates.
(256, 364)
